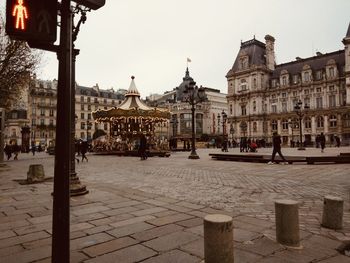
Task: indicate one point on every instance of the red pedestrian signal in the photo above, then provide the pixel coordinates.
(32, 20)
(20, 12)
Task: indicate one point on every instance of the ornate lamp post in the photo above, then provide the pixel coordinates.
(193, 95)
(224, 118)
(300, 112)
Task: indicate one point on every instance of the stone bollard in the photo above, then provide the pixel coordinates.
(332, 216)
(287, 222)
(35, 173)
(218, 239)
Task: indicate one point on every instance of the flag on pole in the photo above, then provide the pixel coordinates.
(189, 60)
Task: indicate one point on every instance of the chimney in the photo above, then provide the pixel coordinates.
(270, 52)
(318, 53)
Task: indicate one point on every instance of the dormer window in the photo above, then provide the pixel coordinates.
(243, 62)
(331, 72)
(319, 75)
(284, 81)
(273, 83)
(295, 79)
(306, 76)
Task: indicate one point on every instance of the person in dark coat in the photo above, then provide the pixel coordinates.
(337, 141)
(83, 150)
(322, 140)
(276, 142)
(143, 147)
(8, 151)
(16, 149)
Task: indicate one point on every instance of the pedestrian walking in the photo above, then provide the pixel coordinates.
(8, 151)
(276, 142)
(16, 149)
(322, 140)
(143, 147)
(33, 148)
(83, 150)
(337, 141)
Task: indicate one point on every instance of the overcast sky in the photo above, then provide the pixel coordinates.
(151, 39)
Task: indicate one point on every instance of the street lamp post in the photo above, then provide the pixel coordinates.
(299, 111)
(194, 96)
(292, 124)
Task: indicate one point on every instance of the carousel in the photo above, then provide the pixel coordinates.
(128, 122)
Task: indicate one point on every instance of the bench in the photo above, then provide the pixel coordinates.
(327, 159)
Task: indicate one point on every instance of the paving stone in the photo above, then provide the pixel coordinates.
(198, 230)
(7, 234)
(124, 204)
(195, 248)
(262, 246)
(336, 259)
(191, 222)
(11, 250)
(190, 205)
(77, 234)
(132, 221)
(155, 202)
(241, 235)
(171, 241)
(156, 232)
(13, 224)
(165, 213)
(80, 226)
(242, 256)
(120, 211)
(41, 219)
(38, 243)
(127, 255)
(174, 256)
(130, 229)
(98, 229)
(177, 208)
(33, 228)
(169, 219)
(28, 255)
(149, 211)
(109, 246)
(22, 239)
(111, 219)
(88, 241)
(90, 210)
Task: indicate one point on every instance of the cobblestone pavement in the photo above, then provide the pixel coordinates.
(151, 211)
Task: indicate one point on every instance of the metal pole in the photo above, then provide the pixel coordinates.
(60, 220)
(2, 132)
(76, 188)
(193, 154)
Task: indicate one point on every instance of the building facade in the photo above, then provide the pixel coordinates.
(37, 112)
(208, 114)
(262, 95)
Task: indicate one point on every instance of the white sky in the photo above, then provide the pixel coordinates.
(151, 39)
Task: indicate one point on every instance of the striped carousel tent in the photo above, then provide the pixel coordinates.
(132, 116)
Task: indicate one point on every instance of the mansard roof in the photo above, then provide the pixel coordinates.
(255, 50)
(316, 63)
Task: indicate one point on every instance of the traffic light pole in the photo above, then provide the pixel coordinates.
(60, 221)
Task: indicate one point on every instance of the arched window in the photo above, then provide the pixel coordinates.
(285, 124)
(307, 122)
(274, 125)
(320, 122)
(255, 127)
(333, 121)
(254, 105)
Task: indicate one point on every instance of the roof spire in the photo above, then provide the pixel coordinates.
(187, 73)
(132, 91)
(348, 33)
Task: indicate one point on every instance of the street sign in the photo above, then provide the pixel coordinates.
(32, 20)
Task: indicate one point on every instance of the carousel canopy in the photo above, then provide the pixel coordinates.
(132, 107)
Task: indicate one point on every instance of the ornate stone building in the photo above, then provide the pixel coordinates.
(36, 111)
(208, 113)
(262, 95)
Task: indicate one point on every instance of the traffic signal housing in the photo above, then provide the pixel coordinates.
(32, 20)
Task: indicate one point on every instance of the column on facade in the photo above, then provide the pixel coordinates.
(313, 128)
(279, 129)
(325, 124)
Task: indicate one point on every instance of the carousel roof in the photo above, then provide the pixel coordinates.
(131, 107)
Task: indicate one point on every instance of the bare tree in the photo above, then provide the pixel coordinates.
(17, 63)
